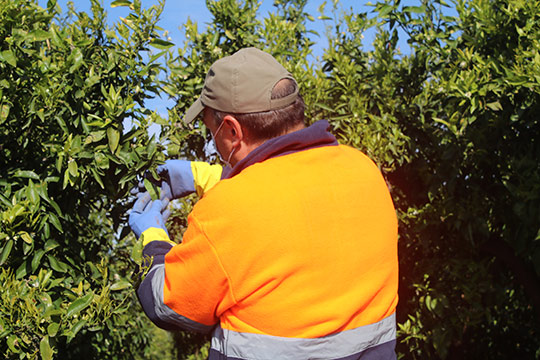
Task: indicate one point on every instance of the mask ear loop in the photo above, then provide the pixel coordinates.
(217, 131)
(228, 162)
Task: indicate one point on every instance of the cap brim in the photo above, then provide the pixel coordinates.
(193, 111)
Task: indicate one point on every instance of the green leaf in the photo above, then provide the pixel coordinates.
(173, 149)
(384, 10)
(56, 223)
(45, 349)
(415, 9)
(45, 279)
(77, 327)
(12, 342)
(152, 189)
(52, 329)
(57, 264)
(4, 112)
(157, 56)
(26, 174)
(160, 44)
(9, 57)
(73, 168)
(50, 244)
(215, 39)
(136, 252)
(495, 106)
(55, 206)
(151, 147)
(324, 107)
(26, 237)
(97, 176)
(66, 179)
(120, 285)
(37, 259)
(230, 35)
(46, 228)
(79, 304)
(31, 192)
(113, 136)
(120, 3)
(77, 60)
(441, 121)
(6, 250)
(38, 35)
(22, 270)
(94, 136)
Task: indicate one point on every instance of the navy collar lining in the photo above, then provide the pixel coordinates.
(311, 137)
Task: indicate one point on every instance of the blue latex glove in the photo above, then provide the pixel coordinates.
(146, 214)
(176, 179)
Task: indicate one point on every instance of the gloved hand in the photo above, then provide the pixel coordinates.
(147, 214)
(179, 178)
(176, 179)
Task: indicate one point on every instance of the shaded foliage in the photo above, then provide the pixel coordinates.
(68, 84)
(451, 123)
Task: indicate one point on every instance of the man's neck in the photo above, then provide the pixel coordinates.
(249, 146)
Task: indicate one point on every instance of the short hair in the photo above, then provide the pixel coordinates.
(265, 125)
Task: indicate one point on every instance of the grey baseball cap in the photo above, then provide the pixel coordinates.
(242, 83)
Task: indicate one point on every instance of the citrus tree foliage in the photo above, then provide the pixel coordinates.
(469, 192)
(68, 86)
(451, 123)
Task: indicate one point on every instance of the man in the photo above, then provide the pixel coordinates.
(293, 253)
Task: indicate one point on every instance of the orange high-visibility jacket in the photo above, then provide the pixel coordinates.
(292, 257)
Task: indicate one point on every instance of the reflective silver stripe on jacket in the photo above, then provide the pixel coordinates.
(164, 312)
(340, 345)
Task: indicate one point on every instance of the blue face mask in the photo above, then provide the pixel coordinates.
(215, 145)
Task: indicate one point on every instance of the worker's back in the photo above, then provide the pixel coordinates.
(304, 252)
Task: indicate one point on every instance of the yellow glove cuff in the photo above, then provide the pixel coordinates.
(205, 176)
(155, 234)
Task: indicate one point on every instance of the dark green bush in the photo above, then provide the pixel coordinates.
(452, 124)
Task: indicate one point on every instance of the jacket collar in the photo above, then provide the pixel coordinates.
(314, 136)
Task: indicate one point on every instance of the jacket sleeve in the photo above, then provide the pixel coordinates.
(186, 286)
(205, 176)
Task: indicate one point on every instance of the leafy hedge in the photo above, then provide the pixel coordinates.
(452, 123)
(68, 84)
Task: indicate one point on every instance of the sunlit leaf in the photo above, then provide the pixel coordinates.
(27, 174)
(114, 137)
(117, 3)
(160, 44)
(6, 250)
(45, 349)
(120, 285)
(52, 329)
(9, 57)
(152, 189)
(79, 305)
(26, 237)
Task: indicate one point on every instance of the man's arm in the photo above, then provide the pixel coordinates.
(151, 290)
(184, 283)
(179, 178)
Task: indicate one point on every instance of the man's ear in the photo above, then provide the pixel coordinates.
(234, 130)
